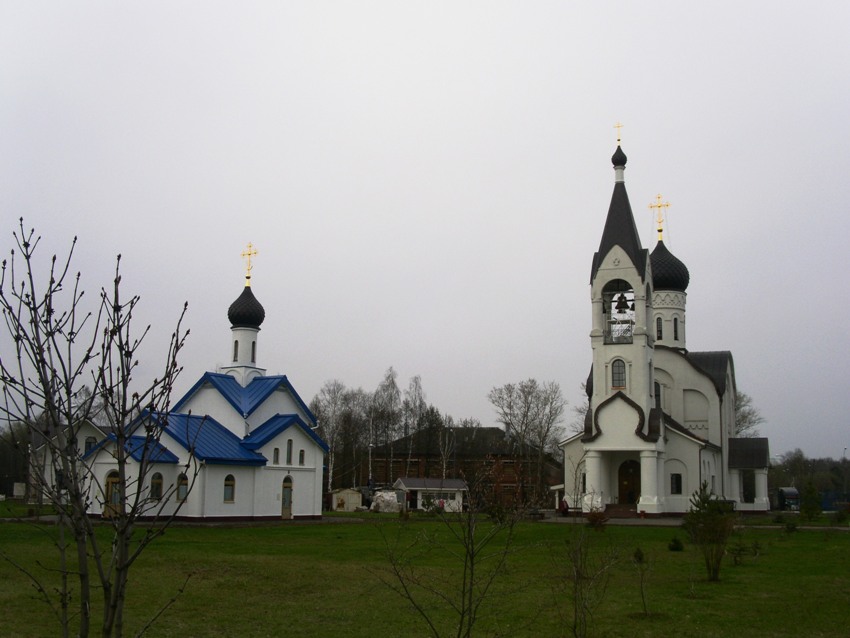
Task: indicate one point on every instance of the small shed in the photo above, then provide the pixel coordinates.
(424, 493)
(346, 499)
(789, 499)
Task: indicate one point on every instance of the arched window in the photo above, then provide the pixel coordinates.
(657, 395)
(182, 487)
(90, 443)
(235, 351)
(675, 328)
(276, 456)
(618, 374)
(253, 352)
(658, 331)
(301, 457)
(229, 488)
(156, 486)
(289, 452)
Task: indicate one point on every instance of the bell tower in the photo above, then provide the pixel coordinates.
(621, 302)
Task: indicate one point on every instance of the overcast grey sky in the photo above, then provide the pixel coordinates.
(427, 182)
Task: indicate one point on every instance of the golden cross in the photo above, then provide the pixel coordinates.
(658, 206)
(618, 126)
(248, 253)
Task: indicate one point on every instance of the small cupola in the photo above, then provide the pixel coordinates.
(670, 279)
(246, 315)
(668, 271)
(246, 311)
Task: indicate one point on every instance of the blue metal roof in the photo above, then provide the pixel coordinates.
(277, 424)
(158, 452)
(135, 446)
(245, 400)
(209, 440)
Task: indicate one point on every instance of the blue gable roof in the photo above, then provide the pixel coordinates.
(210, 441)
(277, 424)
(158, 452)
(135, 446)
(245, 400)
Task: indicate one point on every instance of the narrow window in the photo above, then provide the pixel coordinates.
(276, 456)
(675, 328)
(301, 457)
(229, 488)
(618, 374)
(90, 443)
(253, 352)
(235, 351)
(658, 331)
(182, 487)
(289, 452)
(584, 483)
(657, 395)
(156, 486)
(675, 483)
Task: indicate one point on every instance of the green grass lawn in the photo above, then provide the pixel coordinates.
(325, 580)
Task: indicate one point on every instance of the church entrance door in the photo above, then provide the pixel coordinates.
(286, 499)
(113, 495)
(628, 483)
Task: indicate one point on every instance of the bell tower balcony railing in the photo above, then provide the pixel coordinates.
(619, 330)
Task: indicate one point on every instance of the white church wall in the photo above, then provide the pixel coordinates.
(618, 421)
(280, 402)
(213, 503)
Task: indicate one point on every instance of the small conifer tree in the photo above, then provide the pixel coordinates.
(710, 523)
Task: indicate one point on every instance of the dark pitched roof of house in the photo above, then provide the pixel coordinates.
(410, 483)
(749, 454)
(473, 442)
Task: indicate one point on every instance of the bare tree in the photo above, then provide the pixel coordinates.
(479, 546)
(413, 407)
(57, 347)
(580, 412)
(747, 416)
(329, 406)
(386, 411)
(531, 413)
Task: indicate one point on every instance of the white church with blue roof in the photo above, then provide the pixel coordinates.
(248, 440)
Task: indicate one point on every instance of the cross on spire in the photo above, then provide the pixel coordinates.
(249, 252)
(618, 126)
(659, 220)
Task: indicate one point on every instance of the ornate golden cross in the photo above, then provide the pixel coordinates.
(248, 253)
(618, 126)
(658, 206)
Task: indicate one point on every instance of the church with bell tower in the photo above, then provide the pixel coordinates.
(661, 418)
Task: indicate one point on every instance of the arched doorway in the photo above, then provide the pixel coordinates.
(112, 505)
(628, 483)
(286, 498)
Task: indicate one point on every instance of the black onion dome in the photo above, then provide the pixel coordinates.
(619, 157)
(246, 311)
(668, 272)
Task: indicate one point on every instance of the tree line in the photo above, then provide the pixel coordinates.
(355, 422)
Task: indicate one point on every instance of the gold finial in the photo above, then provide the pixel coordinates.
(248, 253)
(618, 126)
(659, 220)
